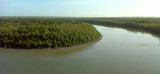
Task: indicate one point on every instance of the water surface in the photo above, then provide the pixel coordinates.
(118, 52)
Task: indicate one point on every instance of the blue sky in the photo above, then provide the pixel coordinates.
(80, 8)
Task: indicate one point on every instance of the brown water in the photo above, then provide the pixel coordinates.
(118, 52)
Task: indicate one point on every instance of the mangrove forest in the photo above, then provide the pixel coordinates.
(44, 32)
(150, 25)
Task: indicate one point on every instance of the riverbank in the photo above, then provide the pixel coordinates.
(38, 33)
(59, 50)
(149, 25)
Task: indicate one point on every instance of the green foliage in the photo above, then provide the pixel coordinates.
(151, 25)
(38, 32)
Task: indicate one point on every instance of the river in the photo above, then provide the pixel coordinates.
(118, 52)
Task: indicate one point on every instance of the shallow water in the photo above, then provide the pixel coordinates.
(118, 52)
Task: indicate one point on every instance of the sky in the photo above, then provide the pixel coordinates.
(81, 8)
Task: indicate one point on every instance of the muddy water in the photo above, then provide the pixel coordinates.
(118, 52)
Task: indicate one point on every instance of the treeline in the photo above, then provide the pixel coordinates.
(40, 32)
(147, 24)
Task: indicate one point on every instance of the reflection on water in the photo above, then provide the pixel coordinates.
(134, 30)
(119, 52)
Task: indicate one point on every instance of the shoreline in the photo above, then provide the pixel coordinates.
(59, 50)
(150, 30)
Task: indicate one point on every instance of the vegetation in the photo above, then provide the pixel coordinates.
(44, 32)
(151, 25)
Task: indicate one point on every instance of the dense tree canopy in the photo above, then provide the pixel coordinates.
(38, 32)
(151, 25)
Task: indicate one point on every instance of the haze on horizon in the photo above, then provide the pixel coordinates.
(81, 8)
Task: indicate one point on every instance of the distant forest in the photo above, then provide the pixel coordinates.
(151, 25)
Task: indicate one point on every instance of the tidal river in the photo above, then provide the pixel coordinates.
(118, 52)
